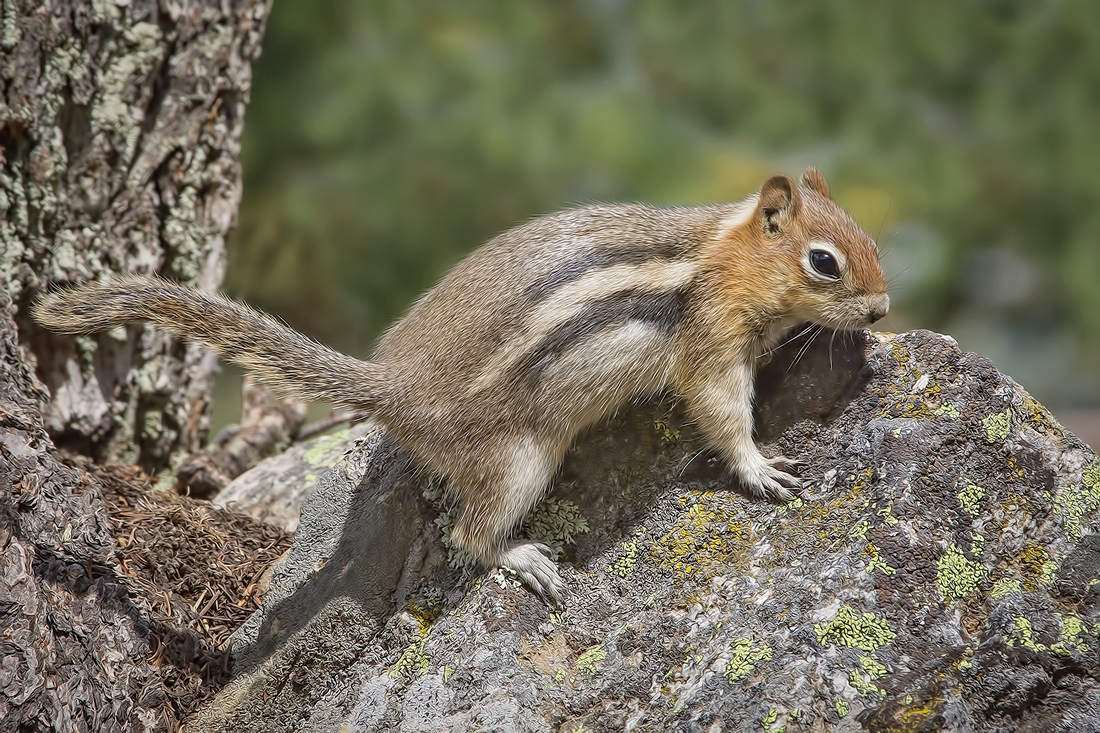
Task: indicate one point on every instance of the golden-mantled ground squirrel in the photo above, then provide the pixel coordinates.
(550, 327)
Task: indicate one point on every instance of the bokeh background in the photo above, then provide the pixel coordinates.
(387, 138)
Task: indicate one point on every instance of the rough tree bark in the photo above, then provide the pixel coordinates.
(119, 134)
(74, 649)
(119, 137)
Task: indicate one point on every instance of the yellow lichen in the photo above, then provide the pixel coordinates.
(842, 708)
(855, 631)
(706, 539)
(665, 430)
(956, 576)
(1038, 564)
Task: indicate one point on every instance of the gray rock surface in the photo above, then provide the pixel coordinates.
(940, 572)
(273, 490)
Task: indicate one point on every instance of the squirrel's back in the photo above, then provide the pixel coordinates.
(552, 263)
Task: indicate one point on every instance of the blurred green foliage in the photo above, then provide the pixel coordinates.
(386, 139)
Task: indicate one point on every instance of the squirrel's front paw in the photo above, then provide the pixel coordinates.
(771, 481)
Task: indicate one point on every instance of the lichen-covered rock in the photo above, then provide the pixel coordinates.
(272, 491)
(940, 572)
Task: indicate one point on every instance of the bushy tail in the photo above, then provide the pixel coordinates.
(278, 355)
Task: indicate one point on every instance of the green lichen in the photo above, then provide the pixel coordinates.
(956, 576)
(1003, 587)
(413, 662)
(842, 708)
(1022, 634)
(948, 409)
(1077, 503)
(998, 425)
(771, 717)
(317, 453)
(970, 498)
(668, 433)
(877, 563)
(586, 662)
(872, 666)
(555, 523)
(855, 631)
(864, 686)
(791, 505)
(743, 657)
(1070, 639)
(623, 566)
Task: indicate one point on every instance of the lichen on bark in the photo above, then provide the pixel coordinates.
(119, 144)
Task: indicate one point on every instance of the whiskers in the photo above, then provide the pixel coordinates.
(806, 346)
(792, 339)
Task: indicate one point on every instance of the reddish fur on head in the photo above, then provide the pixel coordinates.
(766, 264)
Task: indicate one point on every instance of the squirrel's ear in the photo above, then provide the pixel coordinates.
(813, 180)
(779, 203)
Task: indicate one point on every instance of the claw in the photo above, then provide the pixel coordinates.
(786, 465)
(534, 569)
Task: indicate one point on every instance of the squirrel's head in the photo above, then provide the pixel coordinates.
(831, 265)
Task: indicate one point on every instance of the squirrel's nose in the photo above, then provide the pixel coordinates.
(880, 306)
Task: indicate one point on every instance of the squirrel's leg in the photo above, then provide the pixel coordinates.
(492, 511)
(721, 403)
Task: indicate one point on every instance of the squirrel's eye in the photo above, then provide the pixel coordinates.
(824, 263)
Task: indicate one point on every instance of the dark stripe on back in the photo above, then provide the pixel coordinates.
(663, 309)
(577, 267)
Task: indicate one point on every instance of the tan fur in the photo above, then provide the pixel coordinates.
(548, 328)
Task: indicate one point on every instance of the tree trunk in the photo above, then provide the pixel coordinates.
(120, 124)
(73, 655)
